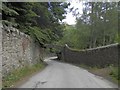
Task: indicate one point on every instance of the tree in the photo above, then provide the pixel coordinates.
(97, 26)
(41, 20)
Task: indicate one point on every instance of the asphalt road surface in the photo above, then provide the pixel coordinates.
(63, 75)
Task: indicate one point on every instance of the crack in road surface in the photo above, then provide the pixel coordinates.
(63, 75)
(38, 83)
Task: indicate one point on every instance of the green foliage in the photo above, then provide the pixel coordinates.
(40, 36)
(109, 71)
(41, 20)
(97, 26)
(115, 72)
(8, 11)
(19, 74)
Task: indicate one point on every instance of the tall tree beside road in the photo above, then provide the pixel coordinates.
(41, 20)
(97, 26)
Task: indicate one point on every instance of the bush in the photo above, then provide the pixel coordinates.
(114, 72)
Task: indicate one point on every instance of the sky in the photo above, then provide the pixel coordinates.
(70, 19)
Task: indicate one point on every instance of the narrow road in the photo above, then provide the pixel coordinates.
(62, 75)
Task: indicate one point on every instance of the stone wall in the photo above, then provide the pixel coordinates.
(18, 50)
(0, 57)
(101, 56)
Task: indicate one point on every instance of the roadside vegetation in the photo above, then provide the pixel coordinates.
(20, 74)
(115, 73)
(40, 20)
(96, 26)
(110, 72)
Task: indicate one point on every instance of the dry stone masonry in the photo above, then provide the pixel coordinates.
(0, 56)
(18, 50)
(101, 56)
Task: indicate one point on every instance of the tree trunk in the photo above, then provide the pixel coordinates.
(91, 38)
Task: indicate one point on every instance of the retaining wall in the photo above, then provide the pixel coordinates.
(101, 56)
(18, 50)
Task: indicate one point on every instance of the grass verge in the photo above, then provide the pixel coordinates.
(110, 72)
(19, 74)
(115, 73)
